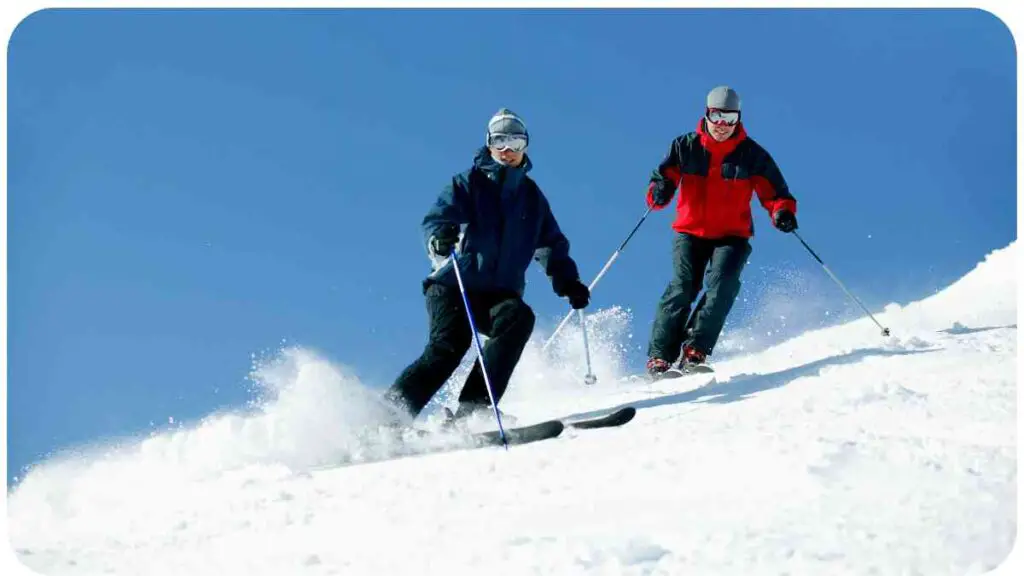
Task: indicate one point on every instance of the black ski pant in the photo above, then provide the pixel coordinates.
(502, 316)
(719, 263)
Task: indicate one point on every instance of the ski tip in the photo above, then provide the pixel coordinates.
(524, 434)
(616, 418)
(625, 414)
(625, 411)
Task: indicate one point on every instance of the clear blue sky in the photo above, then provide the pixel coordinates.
(189, 188)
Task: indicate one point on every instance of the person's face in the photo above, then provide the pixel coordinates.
(507, 157)
(507, 149)
(721, 123)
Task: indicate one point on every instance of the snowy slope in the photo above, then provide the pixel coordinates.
(837, 452)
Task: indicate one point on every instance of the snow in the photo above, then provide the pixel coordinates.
(836, 452)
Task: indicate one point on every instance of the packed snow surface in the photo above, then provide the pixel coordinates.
(836, 452)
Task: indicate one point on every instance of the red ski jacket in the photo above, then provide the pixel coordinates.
(716, 182)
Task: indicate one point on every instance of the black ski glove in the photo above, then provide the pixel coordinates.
(662, 192)
(444, 240)
(785, 221)
(577, 292)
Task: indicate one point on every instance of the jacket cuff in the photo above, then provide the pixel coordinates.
(785, 204)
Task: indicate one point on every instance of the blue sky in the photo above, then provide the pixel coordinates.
(189, 188)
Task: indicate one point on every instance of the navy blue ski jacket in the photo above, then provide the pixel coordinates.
(504, 221)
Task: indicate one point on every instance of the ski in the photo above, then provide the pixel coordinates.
(616, 418)
(521, 434)
(517, 435)
(553, 428)
(410, 442)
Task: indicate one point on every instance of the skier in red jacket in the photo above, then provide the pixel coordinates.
(716, 170)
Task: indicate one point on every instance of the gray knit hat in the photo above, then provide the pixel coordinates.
(506, 121)
(724, 98)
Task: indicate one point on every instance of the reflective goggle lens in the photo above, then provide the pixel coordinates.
(513, 142)
(723, 117)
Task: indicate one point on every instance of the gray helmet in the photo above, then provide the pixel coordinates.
(506, 121)
(723, 98)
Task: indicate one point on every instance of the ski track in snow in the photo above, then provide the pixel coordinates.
(836, 452)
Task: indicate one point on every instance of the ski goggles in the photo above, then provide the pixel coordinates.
(502, 142)
(723, 117)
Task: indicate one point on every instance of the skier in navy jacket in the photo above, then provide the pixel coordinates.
(499, 220)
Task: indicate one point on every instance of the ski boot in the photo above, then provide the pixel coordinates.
(656, 368)
(694, 360)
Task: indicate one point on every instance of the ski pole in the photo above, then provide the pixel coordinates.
(589, 379)
(885, 331)
(479, 349)
(597, 278)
